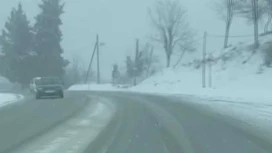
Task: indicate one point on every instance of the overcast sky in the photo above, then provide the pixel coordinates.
(119, 23)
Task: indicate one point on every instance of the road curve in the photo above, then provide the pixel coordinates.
(141, 124)
(157, 124)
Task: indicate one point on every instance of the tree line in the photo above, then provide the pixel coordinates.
(173, 32)
(137, 67)
(29, 51)
(252, 10)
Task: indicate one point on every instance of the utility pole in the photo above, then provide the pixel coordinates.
(136, 62)
(204, 60)
(98, 66)
(210, 60)
(90, 64)
(149, 61)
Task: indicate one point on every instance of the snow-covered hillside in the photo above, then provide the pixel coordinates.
(237, 73)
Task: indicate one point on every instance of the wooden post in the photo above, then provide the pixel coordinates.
(204, 60)
(90, 64)
(136, 62)
(210, 70)
(149, 61)
(98, 62)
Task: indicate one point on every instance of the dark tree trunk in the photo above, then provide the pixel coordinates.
(168, 58)
(255, 20)
(226, 41)
(180, 58)
(256, 34)
(267, 24)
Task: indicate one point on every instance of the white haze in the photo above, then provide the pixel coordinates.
(119, 23)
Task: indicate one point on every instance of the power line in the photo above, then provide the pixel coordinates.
(197, 40)
(193, 41)
(234, 36)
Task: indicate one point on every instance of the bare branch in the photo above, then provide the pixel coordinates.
(180, 58)
(268, 12)
(253, 10)
(170, 23)
(226, 9)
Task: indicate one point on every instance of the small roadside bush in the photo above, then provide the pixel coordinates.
(267, 54)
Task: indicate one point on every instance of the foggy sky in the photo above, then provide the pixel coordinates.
(119, 23)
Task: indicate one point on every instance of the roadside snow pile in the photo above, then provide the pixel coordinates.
(237, 75)
(254, 117)
(251, 88)
(6, 98)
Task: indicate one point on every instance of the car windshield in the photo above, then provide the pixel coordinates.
(47, 81)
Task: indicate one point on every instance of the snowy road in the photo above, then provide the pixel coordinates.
(166, 125)
(75, 134)
(140, 124)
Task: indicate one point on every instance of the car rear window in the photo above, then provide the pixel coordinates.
(46, 81)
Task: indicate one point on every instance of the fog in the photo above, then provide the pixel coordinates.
(118, 24)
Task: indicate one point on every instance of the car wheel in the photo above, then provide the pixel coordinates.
(61, 95)
(38, 96)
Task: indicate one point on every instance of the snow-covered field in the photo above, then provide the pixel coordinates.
(7, 98)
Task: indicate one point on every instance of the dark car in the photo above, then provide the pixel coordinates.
(47, 86)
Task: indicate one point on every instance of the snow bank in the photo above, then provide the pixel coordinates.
(6, 98)
(253, 117)
(248, 88)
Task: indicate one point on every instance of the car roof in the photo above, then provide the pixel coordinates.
(45, 77)
(39, 78)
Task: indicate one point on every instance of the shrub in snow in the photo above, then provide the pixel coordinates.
(260, 70)
(267, 54)
(229, 54)
(197, 64)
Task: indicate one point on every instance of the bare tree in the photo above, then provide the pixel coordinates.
(226, 10)
(253, 10)
(255, 14)
(185, 47)
(148, 59)
(169, 20)
(74, 72)
(268, 12)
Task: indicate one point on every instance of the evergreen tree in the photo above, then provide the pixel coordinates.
(48, 37)
(115, 74)
(129, 67)
(140, 64)
(16, 46)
